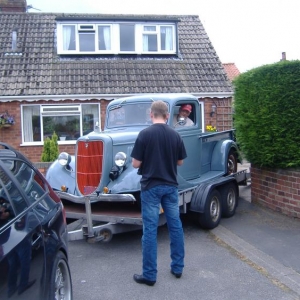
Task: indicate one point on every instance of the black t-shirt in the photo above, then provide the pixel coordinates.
(158, 147)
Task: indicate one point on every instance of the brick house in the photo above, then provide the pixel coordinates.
(59, 71)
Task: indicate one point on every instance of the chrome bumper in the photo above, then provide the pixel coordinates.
(96, 198)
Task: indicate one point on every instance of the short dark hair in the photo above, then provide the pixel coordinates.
(159, 109)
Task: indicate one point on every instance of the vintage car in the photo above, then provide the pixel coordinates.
(101, 169)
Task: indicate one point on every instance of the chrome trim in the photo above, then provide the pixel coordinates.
(94, 198)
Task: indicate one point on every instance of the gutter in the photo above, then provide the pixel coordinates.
(33, 98)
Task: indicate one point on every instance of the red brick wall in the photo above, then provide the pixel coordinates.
(277, 189)
(222, 118)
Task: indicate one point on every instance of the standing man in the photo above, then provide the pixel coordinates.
(157, 152)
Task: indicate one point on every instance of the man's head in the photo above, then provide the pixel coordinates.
(185, 110)
(159, 109)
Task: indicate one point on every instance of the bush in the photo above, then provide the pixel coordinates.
(50, 150)
(267, 114)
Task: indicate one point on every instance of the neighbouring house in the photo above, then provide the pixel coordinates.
(58, 71)
(231, 70)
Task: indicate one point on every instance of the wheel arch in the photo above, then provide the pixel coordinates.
(220, 154)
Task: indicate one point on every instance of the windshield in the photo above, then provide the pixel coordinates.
(129, 115)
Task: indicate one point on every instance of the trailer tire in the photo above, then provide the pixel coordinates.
(229, 196)
(212, 211)
(231, 162)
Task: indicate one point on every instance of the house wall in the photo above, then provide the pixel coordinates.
(13, 134)
(222, 119)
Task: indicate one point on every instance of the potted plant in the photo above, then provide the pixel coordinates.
(6, 120)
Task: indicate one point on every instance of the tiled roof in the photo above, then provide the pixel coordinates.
(37, 69)
(231, 70)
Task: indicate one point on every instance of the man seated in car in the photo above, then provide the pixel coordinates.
(182, 119)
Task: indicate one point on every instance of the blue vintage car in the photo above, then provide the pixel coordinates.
(101, 169)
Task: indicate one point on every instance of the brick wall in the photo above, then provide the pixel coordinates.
(277, 189)
(222, 118)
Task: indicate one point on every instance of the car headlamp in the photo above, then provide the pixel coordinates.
(120, 159)
(64, 158)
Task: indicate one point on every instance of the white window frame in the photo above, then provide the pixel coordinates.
(55, 110)
(115, 37)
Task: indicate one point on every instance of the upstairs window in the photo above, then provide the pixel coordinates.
(116, 38)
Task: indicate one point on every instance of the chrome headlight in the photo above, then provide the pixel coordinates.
(64, 158)
(120, 159)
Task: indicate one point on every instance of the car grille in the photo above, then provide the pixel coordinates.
(89, 165)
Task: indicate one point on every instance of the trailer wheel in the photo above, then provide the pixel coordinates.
(231, 163)
(106, 234)
(229, 198)
(212, 211)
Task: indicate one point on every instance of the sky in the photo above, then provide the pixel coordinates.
(249, 33)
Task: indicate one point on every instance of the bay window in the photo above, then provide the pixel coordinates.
(69, 122)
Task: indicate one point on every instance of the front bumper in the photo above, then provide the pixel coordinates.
(93, 198)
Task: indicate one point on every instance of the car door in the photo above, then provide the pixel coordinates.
(22, 263)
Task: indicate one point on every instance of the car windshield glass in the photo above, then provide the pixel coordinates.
(129, 115)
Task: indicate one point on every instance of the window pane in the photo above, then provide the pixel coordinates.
(66, 127)
(166, 37)
(150, 42)
(104, 37)
(69, 39)
(31, 124)
(90, 113)
(127, 37)
(17, 200)
(86, 42)
(149, 28)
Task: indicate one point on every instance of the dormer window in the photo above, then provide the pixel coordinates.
(116, 38)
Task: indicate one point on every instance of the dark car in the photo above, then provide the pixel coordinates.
(33, 233)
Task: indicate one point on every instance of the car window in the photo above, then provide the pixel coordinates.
(12, 202)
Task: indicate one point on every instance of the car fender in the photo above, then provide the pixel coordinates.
(220, 154)
(58, 175)
(128, 181)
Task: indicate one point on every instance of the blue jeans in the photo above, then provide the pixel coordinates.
(167, 196)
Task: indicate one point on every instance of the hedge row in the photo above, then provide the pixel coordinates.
(267, 114)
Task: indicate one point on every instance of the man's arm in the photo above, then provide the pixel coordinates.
(136, 163)
(179, 162)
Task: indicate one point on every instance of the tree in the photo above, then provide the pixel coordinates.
(50, 150)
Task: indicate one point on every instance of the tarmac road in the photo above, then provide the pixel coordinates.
(253, 255)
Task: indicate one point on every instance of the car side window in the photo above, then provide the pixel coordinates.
(12, 202)
(33, 186)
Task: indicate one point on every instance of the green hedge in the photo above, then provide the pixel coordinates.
(267, 114)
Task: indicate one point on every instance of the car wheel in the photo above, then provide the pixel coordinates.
(231, 163)
(212, 211)
(61, 284)
(229, 196)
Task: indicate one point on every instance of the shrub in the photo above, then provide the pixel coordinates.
(50, 150)
(267, 114)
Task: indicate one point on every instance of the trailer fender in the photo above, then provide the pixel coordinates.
(220, 154)
(202, 191)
